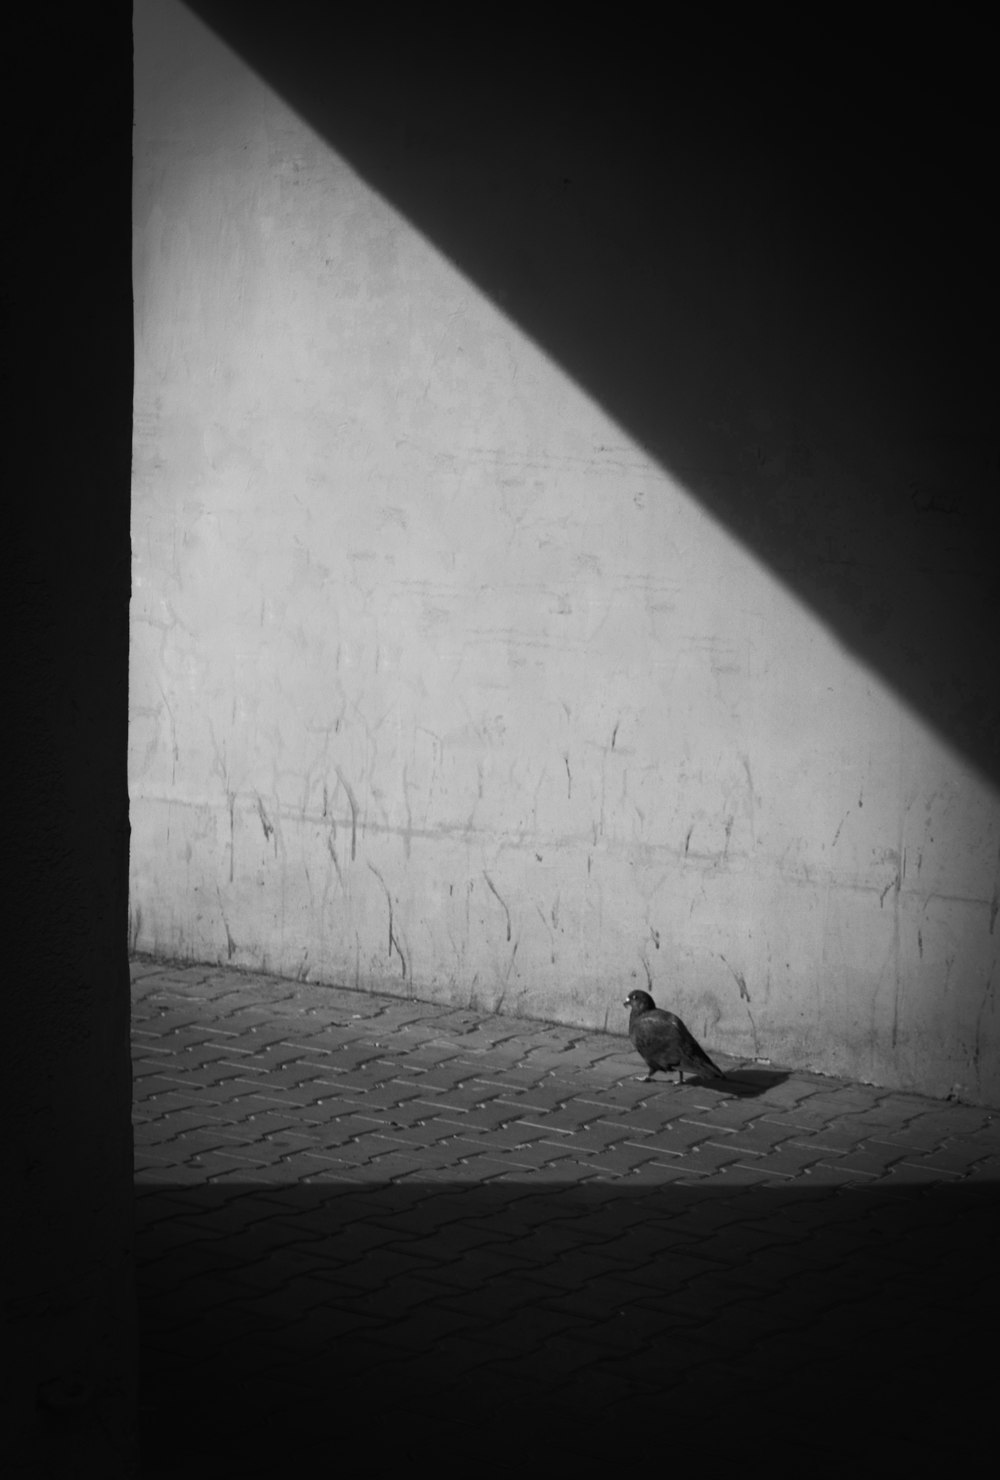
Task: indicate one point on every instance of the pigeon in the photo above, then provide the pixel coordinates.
(663, 1040)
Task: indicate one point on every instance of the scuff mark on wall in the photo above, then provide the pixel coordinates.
(230, 943)
(740, 979)
(503, 905)
(987, 995)
(352, 802)
(394, 944)
(752, 798)
(859, 805)
(265, 821)
(331, 848)
(231, 801)
(501, 998)
(896, 882)
(552, 938)
(408, 830)
(175, 748)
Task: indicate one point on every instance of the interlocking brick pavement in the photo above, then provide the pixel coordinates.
(371, 1222)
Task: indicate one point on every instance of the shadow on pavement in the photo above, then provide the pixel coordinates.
(523, 1321)
(747, 1084)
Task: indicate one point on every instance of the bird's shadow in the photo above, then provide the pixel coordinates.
(747, 1083)
(739, 1083)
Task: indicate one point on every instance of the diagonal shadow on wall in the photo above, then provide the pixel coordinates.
(768, 254)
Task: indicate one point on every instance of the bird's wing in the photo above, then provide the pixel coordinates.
(692, 1050)
(656, 1033)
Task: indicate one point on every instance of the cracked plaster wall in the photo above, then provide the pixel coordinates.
(441, 685)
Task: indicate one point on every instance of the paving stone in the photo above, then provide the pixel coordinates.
(669, 1271)
(418, 1133)
(375, 1268)
(633, 1326)
(786, 1160)
(601, 1219)
(497, 1299)
(679, 1137)
(986, 1173)
(711, 1157)
(759, 1138)
(557, 1358)
(623, 1158)
(730, 1115)
(907, 1174)
(591, 1138)
(423, 1329)
(413, 1161)
(650, 1119)
(692, 1304)
(650, 1174)
(541, 1155)
(568, 1116)
(478, 1117)
(526, 1329)
(161, 1092)
(509, 1136)
(872, 1157)
(405, 1115)
(951, 1157)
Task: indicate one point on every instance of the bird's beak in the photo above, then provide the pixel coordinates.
(625, 1003)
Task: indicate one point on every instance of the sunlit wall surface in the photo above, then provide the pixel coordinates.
(443, 684)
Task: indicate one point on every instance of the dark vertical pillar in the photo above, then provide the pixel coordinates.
(67, 441)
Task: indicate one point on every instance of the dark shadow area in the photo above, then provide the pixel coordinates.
(67, 1405)
(742, 1084)
(747, 1084)
(769, 252)
(527, 1322)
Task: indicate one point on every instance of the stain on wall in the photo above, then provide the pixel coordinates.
(443, 684)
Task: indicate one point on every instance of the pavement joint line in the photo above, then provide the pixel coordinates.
(942, 1172)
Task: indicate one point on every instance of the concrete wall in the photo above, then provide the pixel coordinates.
(444, 680)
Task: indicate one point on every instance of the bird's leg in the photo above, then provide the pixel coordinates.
(680, 1076)
(645, 1078)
